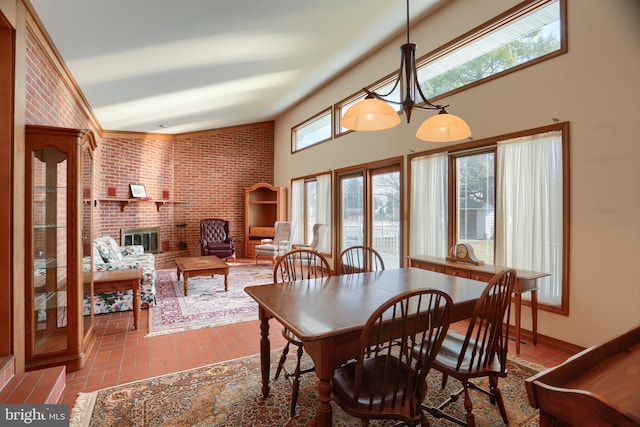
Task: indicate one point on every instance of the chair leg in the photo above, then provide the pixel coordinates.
(424, 420)
(444, 381)
(283, 358)
(495, 392)
(296, 383)
(468, 406)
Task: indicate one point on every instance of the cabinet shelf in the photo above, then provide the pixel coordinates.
(125, 202)
(47, 226)
(264, 205)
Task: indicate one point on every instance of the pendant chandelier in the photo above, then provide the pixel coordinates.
(375, 113)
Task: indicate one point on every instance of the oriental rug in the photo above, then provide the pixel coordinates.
(229, 394)
(207, 304)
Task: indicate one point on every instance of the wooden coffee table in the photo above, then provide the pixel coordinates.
(202, 266)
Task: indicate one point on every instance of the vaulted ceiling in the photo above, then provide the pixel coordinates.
(182, 66)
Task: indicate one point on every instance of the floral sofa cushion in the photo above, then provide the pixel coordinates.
(108, 248)
(129, 257)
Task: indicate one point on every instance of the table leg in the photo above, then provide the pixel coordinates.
(518, 307)
(136, 303)
(324, 413)
(226, 282)
(534, 315)
(323, 353)
(186, 283)
(178, 272)
(265, 352)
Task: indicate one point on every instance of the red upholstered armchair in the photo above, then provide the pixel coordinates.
(215, 240)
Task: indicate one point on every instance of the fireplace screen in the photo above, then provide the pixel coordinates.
(147, 237)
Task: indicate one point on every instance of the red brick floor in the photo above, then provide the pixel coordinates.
(122, 354)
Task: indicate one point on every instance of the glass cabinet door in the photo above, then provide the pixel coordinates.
(49, 219)
(87, 241)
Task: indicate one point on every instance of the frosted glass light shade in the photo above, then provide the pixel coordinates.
(443, 127)
(370, 114)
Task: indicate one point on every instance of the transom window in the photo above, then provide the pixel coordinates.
(523, 36)
(520, 37)
(313, 131)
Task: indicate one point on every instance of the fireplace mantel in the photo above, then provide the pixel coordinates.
(125, 202)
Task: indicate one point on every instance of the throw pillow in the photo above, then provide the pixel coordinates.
(108, 249)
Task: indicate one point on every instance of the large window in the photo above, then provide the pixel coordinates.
(507, 196)
(475, 202)
(311, 204)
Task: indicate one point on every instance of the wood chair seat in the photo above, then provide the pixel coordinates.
(387, 381)
(449, 356)
(379, 378)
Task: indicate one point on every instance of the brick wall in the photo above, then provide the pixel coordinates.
(206, 174)
(205, 177)
(49, 100)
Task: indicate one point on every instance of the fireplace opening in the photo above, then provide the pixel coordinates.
(147, 237)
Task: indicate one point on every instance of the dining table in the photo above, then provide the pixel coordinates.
(328, 315)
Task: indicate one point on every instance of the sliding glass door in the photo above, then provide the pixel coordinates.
(370, 210)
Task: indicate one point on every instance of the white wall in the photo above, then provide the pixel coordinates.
(595, 86)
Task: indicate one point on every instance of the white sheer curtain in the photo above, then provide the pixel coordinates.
(323, 212)
(530, 210)
(297, 210)
(428, 212)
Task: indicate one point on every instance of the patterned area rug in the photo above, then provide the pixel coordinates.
(207, 303)
(228, 394)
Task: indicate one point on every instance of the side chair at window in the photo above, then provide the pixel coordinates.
(279, 245)
(481, 352)
(388, 380)
(299, 264)
(319, 234)
(358, 259)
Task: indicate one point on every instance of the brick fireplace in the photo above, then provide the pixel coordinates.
(147, 237)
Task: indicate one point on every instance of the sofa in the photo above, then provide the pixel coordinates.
(108, 255)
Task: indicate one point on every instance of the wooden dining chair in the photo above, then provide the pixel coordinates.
(388, 380)
(358, 259)
(299, 264)
(482, 352)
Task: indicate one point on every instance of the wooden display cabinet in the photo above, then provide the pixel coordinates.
(264, 205)
(58, 234)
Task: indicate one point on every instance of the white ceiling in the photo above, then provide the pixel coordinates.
(205, 64)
